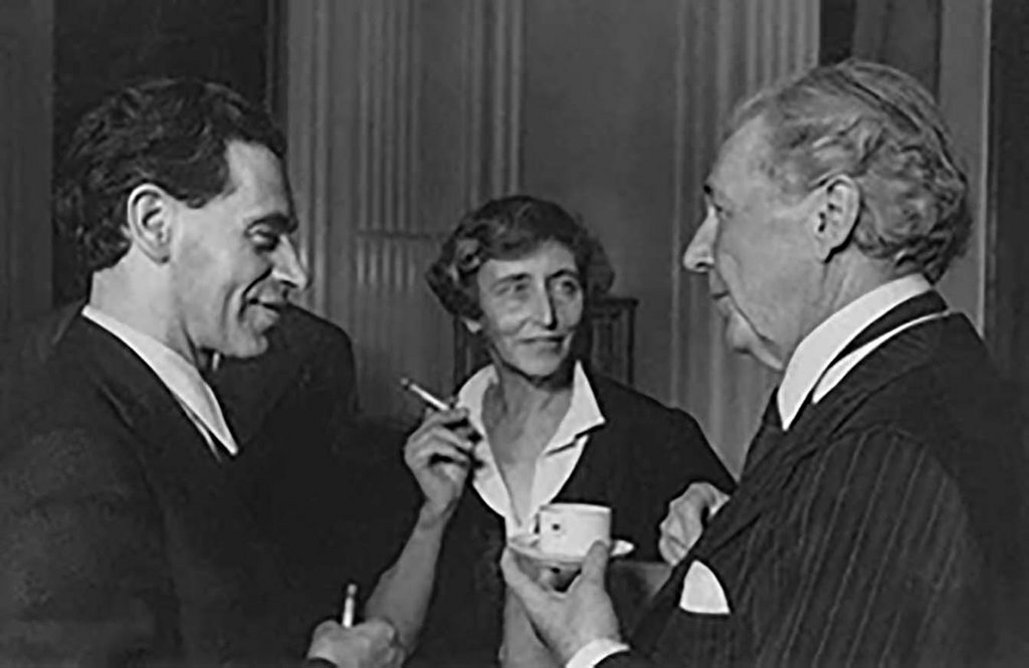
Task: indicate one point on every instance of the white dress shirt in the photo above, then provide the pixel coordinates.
(809, 372)
(555, 462)
(181, 378)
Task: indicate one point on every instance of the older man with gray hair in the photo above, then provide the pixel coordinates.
(877, 520)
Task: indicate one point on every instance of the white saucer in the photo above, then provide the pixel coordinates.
(528, 546)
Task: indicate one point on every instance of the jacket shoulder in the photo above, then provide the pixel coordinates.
(621, 402)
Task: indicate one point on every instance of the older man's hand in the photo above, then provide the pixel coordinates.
(372, 644)
(567, 621)
(686, 519)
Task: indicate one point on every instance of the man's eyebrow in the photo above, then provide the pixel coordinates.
(280, 222)
(563, 272)
(511, 278)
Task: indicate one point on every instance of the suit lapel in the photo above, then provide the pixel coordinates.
(815, 423)
(912, 309)
(210, 533)
(171, 447)
(250, 389)
(132, 388)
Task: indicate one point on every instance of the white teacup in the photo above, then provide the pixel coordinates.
(569, 529)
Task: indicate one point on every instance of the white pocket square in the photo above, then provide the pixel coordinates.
(702, 592)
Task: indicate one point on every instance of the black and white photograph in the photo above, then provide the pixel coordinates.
(514, 333)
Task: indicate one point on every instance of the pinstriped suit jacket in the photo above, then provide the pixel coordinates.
(884, 530)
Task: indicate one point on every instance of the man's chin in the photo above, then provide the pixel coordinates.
(254, 345)
(743, 340)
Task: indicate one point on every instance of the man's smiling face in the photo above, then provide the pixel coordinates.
(234, 263)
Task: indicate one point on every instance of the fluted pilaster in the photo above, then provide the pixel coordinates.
(401, 114)
(727, 51)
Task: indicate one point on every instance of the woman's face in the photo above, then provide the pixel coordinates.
(531, 307)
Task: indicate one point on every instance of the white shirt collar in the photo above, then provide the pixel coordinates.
(816, 352)
(180, 377)
(555, 463)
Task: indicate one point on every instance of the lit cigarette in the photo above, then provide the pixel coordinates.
(349, 603)
(424, 394)
(435, 402)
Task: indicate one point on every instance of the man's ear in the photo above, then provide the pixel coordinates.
(149, 210)
(473, 326)
(837, 214)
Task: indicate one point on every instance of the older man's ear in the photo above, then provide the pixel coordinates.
(836, 216)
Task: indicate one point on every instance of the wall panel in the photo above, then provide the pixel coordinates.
(621, 124)
(404, 113)
(738, 47)
(401, 114)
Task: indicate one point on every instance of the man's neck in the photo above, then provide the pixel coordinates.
(141, 309)
(837, 291)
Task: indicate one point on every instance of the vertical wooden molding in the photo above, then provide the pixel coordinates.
(474, 58)
(516, 84)
(321, 120)
(304, 136)
(355, 74)
(984, 257)
(728, 50)
(506, 102)
(275, 59)
(494, 67)
(679, 212)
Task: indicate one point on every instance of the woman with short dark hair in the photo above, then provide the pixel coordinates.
(533, 427)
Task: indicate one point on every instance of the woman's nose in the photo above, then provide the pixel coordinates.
(543, 308)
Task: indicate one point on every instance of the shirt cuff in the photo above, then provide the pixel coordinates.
(595, 651)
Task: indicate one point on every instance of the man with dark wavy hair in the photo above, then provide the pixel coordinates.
(124, 542)
(878, 517)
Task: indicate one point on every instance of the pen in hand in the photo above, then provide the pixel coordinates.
(349, 604)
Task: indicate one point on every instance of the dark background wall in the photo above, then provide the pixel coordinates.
(102, 45)
(1007, 281)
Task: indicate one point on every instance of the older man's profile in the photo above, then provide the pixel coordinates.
(877, 521)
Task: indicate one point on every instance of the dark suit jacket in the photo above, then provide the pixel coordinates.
(883, 530)
(307, 466)
(122, 541)
(642, 457)
(293, 410)
(24, 352)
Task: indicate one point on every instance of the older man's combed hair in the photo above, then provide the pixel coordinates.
(880, 127)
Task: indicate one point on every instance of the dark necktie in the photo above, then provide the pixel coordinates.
(769, 434)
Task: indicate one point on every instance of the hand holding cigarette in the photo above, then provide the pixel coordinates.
(440, 453)
(434, 402)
